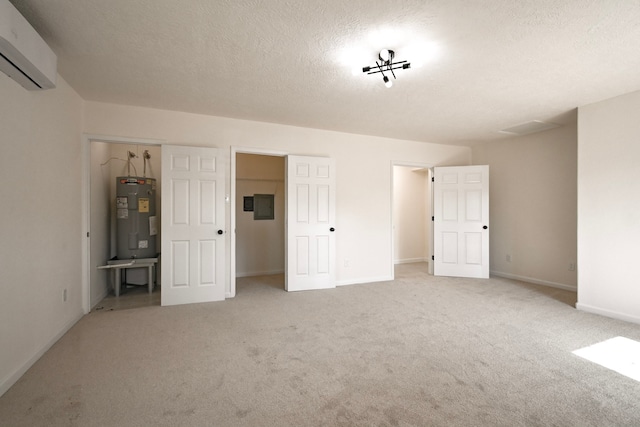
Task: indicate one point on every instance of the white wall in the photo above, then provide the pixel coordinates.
(608, 207)
(532, 211)
(411, 214)
(363, 228)
(40, 221)
(259, 243)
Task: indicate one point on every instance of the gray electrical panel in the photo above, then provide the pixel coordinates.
(136, 220)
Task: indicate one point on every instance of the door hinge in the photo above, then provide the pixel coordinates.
(87, 234)
(433, 258)
(433, 179)
(432, 218)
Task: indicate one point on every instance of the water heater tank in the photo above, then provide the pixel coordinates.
(136, 217)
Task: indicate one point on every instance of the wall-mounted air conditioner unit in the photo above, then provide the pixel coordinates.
(24, 56)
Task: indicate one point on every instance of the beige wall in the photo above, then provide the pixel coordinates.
(40, 221)
(609, 202)
(259, 243)
(533, 206)
(363, 228)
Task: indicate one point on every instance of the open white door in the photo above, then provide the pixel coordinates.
(310, 222)
(193, 240)
(461, 221)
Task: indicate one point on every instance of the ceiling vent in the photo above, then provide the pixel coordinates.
(529, 127)
(24, 56)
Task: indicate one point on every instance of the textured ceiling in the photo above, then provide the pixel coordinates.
(497, 64)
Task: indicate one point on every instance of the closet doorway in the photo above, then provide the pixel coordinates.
(105, 159)
(259, 221)
(412, 211)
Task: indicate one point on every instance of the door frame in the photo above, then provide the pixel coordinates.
(428, 166)
(231, 292)
(85, 198)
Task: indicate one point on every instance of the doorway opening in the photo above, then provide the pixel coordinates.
(411, 212)
(259, 221)
(107, 160)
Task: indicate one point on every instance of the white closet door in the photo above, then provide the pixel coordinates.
(461, 221)
(193, 239)
(310, 223)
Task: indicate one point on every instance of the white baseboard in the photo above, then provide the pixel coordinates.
(534, 281)
(608, 313)
(363, 280)
(15, 376)
(258, 273)
(409, 260)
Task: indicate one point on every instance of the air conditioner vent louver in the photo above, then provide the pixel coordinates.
(24, 55)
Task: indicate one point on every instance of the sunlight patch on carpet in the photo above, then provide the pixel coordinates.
(618, 354)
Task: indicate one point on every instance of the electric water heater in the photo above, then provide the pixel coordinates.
(136, 217)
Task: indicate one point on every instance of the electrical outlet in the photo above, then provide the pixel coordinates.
(572, 266)
(64, 295)
(508, 257)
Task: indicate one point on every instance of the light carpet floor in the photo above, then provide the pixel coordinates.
(417, 351)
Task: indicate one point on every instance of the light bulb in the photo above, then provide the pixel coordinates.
(387, 82)
(384, 55)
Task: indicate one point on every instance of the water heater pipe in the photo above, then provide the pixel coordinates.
(130, 156)
(146, 156)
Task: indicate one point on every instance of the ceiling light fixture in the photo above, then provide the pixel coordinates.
(386, 64)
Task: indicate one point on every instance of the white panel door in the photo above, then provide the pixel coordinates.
(193, 240)
(461, 221)
(310, 222)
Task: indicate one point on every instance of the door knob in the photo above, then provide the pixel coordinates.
(484, 227)
(332, 229)
(220, 231)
